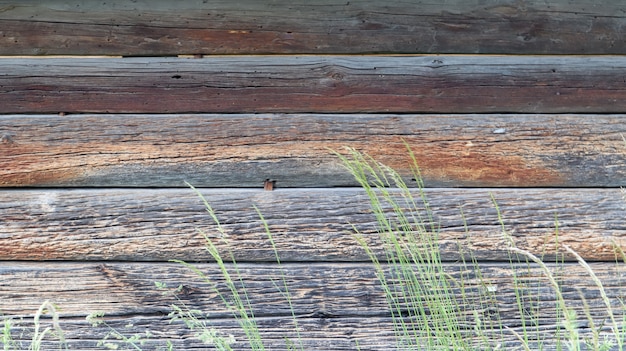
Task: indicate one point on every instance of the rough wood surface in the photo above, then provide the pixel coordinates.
(244, 150)
(153, 28)
(332, 84)
(335, 303)
(307, 225)
(318, 333)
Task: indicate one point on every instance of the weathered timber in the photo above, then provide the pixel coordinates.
(317, 333)
(333, 301)
(330, 84)
(154, 28)
(307, 225)
(294, 150)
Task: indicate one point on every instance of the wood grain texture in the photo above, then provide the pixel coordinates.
(318, 333)
(335, 303)
(329, 84)
(154, 28)
(307, 225)
(243, 150)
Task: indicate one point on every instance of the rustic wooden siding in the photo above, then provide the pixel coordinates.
(94, 152)
(328, 84)
(295, 150)
(313, 225)
(152, 28)
(338, 304)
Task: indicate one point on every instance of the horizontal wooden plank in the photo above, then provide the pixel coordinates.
(235, 84)
(317, 333)
(294, 150)
(155, 28)
(307, 225)
(321, 333)
(336, 304)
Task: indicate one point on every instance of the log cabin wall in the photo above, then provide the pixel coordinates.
(108, 107)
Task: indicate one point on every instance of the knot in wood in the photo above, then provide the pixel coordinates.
(7, 138)
(336, 76)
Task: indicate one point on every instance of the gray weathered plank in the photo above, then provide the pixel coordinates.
(307, 225)
(243, 150)
(153, 28)
(333, 300)
(330, 84)
(318, 333)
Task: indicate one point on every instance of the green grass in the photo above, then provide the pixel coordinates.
(40, 332)
(237, 301)
(434, 305)
(432, 308)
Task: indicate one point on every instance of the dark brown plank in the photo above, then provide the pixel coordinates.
(333, 84)
(156, 28)
(307, 225)
(294, 150)
(336, 303)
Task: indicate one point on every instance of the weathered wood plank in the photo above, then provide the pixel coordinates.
(307, 225)
(330, 84)
(318, 333)
(333, 301)
(243, 150)
(362, 26)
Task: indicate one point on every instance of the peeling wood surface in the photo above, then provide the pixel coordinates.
(294, 150)
(155, 28)
(308, 225)
(329, 84)
(333, 311)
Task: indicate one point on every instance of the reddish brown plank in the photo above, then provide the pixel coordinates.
(244, 150)
(307, 224)
(331, 84)
(155, 28)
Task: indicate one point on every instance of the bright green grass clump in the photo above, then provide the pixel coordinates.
(419, 291)
(434, 307)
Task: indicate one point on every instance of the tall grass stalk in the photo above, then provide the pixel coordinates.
(609, 307)
(526, 302)
(39, 333)
(419, 291)
(569, 314)
(430, 308)
(241, 306)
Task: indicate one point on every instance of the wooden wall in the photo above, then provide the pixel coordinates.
(107, 107)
